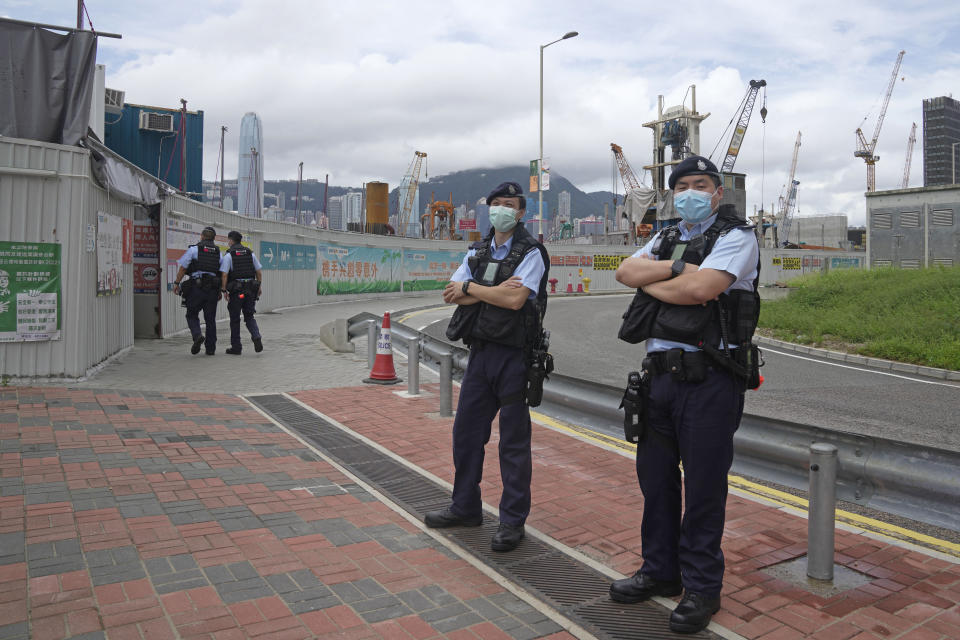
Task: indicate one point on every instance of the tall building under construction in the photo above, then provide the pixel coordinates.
(941, 141)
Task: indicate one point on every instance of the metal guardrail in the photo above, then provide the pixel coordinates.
(905, 479)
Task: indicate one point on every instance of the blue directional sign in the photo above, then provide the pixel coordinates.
(310, 258)
(299, 256)
(285, 256)
(269, 255)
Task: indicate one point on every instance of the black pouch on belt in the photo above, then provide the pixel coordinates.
(187, 286)
(686, 366)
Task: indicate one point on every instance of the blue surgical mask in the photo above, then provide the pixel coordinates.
(503, 218)
(693, 206)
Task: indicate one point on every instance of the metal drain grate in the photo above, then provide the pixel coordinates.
(569, 586)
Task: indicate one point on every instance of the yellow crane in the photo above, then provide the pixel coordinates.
(866, 149)
(412, 178)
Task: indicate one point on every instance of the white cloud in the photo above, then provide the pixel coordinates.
(351, 89)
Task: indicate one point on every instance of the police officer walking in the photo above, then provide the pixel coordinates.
(696, 286)
(241, 284)
(201, 289)
(500, 290)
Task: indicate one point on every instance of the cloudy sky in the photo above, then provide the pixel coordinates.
(353, 88)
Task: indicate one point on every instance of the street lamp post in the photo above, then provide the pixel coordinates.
(569, 34)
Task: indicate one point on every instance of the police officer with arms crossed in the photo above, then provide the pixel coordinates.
(201, 290)
(697, 285)
(241, 284)
(501, 292)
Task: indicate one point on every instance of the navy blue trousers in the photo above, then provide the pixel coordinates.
(494, 372)
(249, 307)
(702, 419)
(203, 300)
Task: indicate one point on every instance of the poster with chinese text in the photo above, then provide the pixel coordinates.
(109, 250)
(29, 291)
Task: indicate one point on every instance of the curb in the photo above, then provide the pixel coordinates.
(866, 361)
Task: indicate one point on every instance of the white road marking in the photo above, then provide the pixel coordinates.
(846, 366)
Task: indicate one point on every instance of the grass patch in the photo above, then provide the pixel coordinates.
(898, 314)
(328, 287)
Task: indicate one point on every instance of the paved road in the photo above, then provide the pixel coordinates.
(797, 387)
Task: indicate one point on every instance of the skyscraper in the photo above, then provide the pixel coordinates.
(563, 205)
(413, 221)
(941, 141)
(250, 168)
(336, 221)
(352, 208)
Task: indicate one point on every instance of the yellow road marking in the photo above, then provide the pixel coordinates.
(413, 314)
(768, 493)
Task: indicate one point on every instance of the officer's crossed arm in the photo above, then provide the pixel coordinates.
(644, 269)
(693, 286)
(509, 294)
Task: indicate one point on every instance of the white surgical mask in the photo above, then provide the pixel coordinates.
(503, 218)
(693, 206)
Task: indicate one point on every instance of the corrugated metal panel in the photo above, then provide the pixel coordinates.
(47, 195)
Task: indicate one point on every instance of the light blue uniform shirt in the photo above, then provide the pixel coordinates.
(530, 270)
(736, 252)
(189, 257)
(226, 262)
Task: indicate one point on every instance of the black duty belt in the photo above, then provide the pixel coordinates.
(661, 362)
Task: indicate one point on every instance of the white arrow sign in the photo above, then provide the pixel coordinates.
(268, 254)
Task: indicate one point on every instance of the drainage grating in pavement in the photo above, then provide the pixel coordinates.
(572, 588)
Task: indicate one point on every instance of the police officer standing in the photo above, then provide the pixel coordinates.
(501, 292)
(698, 284)
(241, 283)
(201, 289)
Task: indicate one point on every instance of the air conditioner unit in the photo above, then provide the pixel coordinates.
(113, 101)
(150, 121)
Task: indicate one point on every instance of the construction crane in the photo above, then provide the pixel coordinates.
(412, 179)
(906, 165)
(785, 218)
(745, 110)
(866, 149)
(629, 178)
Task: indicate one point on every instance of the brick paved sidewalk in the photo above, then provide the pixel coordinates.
(150, 515)
(587, 497)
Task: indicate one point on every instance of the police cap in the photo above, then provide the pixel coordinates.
(236, 236)
(508, 190)
(693, 166)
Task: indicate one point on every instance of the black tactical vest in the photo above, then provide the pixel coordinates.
(208, 258)
(648, 317)
(490, 323)
(243, 267)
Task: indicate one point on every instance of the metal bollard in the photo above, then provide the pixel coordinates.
(372, 337)
(413, 366)
(446, 384)
(823, 502)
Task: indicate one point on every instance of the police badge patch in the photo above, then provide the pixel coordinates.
(701, 165)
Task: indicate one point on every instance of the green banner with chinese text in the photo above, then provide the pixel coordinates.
(29, 291)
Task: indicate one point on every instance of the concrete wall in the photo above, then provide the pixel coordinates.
(47, 195)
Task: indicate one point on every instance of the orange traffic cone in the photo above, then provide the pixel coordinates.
(383, 371)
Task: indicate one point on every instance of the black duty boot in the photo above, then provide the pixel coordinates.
(197, 343)
(257, 345)
(693, 613)
(640, 587)
(507, 537)
(232, 351)
(447, 518)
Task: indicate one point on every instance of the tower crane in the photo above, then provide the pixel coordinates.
(412, 178)
(906, 166)
(866, 149)
(744, 111)
(642, 194)
(785, 218)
